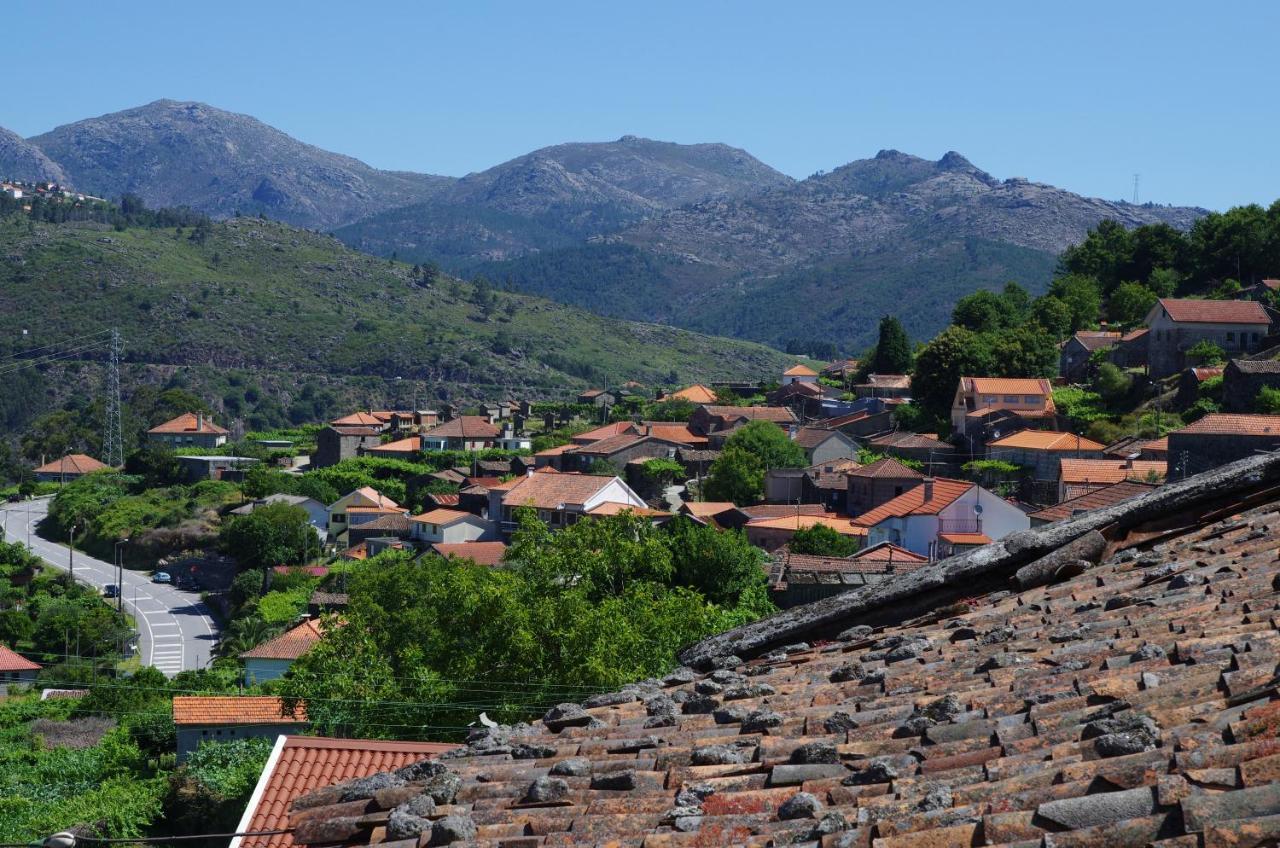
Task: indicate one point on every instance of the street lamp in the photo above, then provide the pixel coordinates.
(120, 576)
(71, 550)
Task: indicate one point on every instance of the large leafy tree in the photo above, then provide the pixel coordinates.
(953, 353)
(737, 475)
(893, 348)
(1130, 303)
(821, 540)
(275, 534)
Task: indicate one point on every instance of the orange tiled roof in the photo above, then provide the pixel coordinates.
(965, 538)
(799, 370)
(549, 491)
(672, 432)
(72, 463)
(887, 467)
(912, 502)
(289, 645)
(482, 553)
(782, 510)
(615, 508)
(371, 494)
(1226, 423)
(412, 444)
(1215, 311)
(1134, 335)
(465, 427)
(13, 661)
(358, 419)
(888, 552)
(441, 516)
(697, 393)
(306, 763)
(706, 509)
(777, 414)
(1046, 440)
(188, 422)
(841, 525)
(613, 428)
(1107, 471)
(234, 709)
(1008, 386)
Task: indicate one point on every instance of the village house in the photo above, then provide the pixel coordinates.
(697, 393)
(618, 451)
(15, 669)
(464, 433)
(878, 483)
(388, 528)
(1138, 447)
(449, 526)
(1219, 438)
(335, 443)
(771, 533)
(359, 507)
(1176, 326)
(301, 764)
(709, 419)
(799, 374)
(223, 718)
(597, 397)
(1263, 290)
(723, 515)
(559, 499)
(1078, 477)
(188, 430)
(933, 454)
(1090, 501)
(1243, 379)
(1189, 383)
(409, 448)
(884, 386)
(822, 445)
(1131, 350)
(230, 468)
(73, 466)
(1075, 353)
(921, 518)
(1038, 451)
(273, 658)
(841, 370)
(861, 423)
(1029, 398)
(364, 419)
(796, 579)
(317, 513)
(823, 483)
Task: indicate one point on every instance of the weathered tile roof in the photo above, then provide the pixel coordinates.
(1096, 339)
(811, 437)
(1215, 311)
(290, 645)
(441, 516)
(777, 414)
(965, 538)
(1257, 366)
(482, 553)
(1235, 425)
(1046, 440)
(904, 440)
(781, 510)
(913, 501)
(614, 428)
(697, 393)
(887, 467)
(550, 491)
(72, 463)
(305, 763)
(1129, 699)
(1107, 471)
(1105, 496)
(359, 419)
(189, 422)
(12, 661)
(889, 552)
(465, 427)
(840, 524)
(1008, 385)
(231, 709)
(407, 445)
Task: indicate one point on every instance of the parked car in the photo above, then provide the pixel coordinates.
(111, 590)
(161, 577)
(14, 497)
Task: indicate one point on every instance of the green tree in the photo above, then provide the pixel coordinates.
(982, 312)
(275, 534)
(58, 434)
(1165, 282)
(1268, 401)
(821, 540)
(1205, 352)
(1130, 303)
(721, 564)
(1052, 314)
(1026, 351)
(1112, 383)
(893, 348)
(953, 353)
(737, 475)
(1082, 296)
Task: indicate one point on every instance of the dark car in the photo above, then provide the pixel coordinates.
(14, 497)
(111, 590)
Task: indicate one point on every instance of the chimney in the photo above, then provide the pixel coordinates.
(928, 489)
(199, 421)
(1128, 463)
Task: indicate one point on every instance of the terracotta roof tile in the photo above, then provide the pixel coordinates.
(889, 552)
(697, 393)
(1108, 471)
(441, 516)
(465, 427)
(12, 661)
(232, 709)
(1235, 425)
(1097, 499)
(1008, 386)
(1215, 311)
(965, 538)
(359, 419)
(887, 467)
(72, 463)
(189, 422)
(777, 414)
(409, 445)
(799, 370)
(289, 645)
(913, 502)
(306, 763)
(841, 525)
(549, 491)
(1046, 440)
(782, 510)
(483, 553)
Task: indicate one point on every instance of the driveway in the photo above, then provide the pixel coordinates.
(176, 631)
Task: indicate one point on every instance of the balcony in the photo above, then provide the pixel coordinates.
(959, 525)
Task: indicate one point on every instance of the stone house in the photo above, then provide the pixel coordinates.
(1075, 353)
(464, 433)
(878, 483)
(1219, 438)
(1176, 326)
(1039, 451)
(338, 442)
(1243, 379)
(822, 445)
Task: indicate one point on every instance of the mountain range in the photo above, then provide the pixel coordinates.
(703, 236)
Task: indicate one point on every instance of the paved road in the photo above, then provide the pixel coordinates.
(175, 629)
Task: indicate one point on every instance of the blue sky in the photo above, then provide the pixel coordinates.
(1081, 95)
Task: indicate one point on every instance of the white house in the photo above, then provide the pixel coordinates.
(560, 499)
(15, 668)
(799, 374)
(449, 526)
(272, 658)
(940, 514)
(359, 507)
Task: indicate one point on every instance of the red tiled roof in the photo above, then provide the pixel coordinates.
(781, 510)
(234, 709)
(441, 516)
(887, 467)
(359, 419)
(913, 502)
(187, 423)
(444, 499)
(889, 552)
(549, 491)
(1046, 440)
(1202, 373)
(799, 370)
(410, 445)
(697, 393)
(776, 414)
(673, 432)
(13, 661)
(707, 509)
(289, 645)
(921, 441)
(306, 763)
(72, 463)
(840, 524)
(1008, 386)
(1097, 499)
(1215, 311)
(377, 498)
(483, 553)
(965, 538)
(613, 428)
(465, 427)
(811, 437)
(1106, 471)
(1228, 424)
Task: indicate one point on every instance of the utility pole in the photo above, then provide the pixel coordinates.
(113, 436)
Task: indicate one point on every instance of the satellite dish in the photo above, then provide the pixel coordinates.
(977, 509)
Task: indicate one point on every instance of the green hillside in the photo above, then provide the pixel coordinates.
(289, 306)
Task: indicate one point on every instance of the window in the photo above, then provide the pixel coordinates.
(1010, 398)
(339, 518)
(1231, 336)
(989, 399)
(1031, 399)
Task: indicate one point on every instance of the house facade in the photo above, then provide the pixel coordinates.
(1037, 452)
(919, 519)
(799, 374)
(354, 508)
(73, 466)
(559, 499)
(1175, 326)
(1219, 438)
(822, 445)
(449, 526)
(1076, 352)
(878, 483)
(272, 659)
(188, 430)
(200, 719)
(464, 433)
(1030, 398)
(15, 669)
(336, 443)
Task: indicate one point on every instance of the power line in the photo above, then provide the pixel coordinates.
(22, 353)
